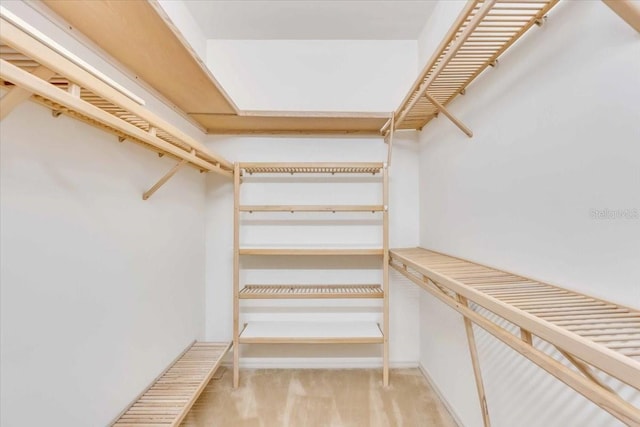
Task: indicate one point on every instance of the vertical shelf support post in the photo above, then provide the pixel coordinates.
(385, 271)
(390, 141)
(236, 274)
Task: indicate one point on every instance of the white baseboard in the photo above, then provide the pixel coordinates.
(444, 401)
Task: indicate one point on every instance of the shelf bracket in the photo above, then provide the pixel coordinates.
(450, 116)
(475, 361)
(392, 129)
(164, 179)
(18, 94)
(627, 10)
(526, 336)
(585, 370)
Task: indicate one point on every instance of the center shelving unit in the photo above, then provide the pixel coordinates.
(307, 332)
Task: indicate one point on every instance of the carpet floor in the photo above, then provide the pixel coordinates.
(319, 398)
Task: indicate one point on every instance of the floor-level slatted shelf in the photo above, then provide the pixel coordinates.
(357, 332)
(310, 291)
(168, 400)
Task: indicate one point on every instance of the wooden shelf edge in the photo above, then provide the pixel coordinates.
(312, 208)
(311, 252)
(312, 168)
(301, 292)
(312, 333)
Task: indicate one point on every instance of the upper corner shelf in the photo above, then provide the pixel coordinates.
(292, 168)
(482, 32)
(34, 66)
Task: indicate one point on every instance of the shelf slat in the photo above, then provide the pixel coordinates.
(311, 333)
(312, 208)
(312, 167)
(310, 252)
(310, 291)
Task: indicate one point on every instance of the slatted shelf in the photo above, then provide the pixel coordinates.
(357, 332)
(33, 66)
(311, 208)
(311, 168)
(482, 32)
(168, 400)
(594, 333)
(311, 252)
(310, 291)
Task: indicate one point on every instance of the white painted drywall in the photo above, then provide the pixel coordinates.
(184, 21)
(556, 132)
(314, 75)
(100, 290)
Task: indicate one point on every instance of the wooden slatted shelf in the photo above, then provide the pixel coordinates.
(168, 400)
(310, 291)
(72, 88)
(311, 333)
(590, 332)
(481, 33)
(312, 168)
(310, 252)
(311, 208)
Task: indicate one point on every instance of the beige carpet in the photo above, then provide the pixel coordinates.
(318, 398)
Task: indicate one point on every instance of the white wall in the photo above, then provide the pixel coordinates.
(180, 16)
(314, 75)
(556, 130)
(100, 290)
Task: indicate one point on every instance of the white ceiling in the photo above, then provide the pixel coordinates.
(311, 19)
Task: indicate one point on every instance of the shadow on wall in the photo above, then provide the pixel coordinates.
(543, 400)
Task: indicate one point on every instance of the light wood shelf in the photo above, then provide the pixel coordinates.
(74, 89)
(167, 401)
(311, 208)
(311, 252)
(122, 29)
(483, 31)
(310, 291)
(312, 168)
(596, 336)
(311, 333)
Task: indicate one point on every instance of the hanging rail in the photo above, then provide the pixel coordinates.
(34, 67)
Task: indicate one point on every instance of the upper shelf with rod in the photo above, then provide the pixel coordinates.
(35, 67)
(481, 33)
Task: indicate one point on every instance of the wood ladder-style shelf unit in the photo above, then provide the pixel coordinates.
(35, 67)
(311, 332)
(597, 337)
(481, 33)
